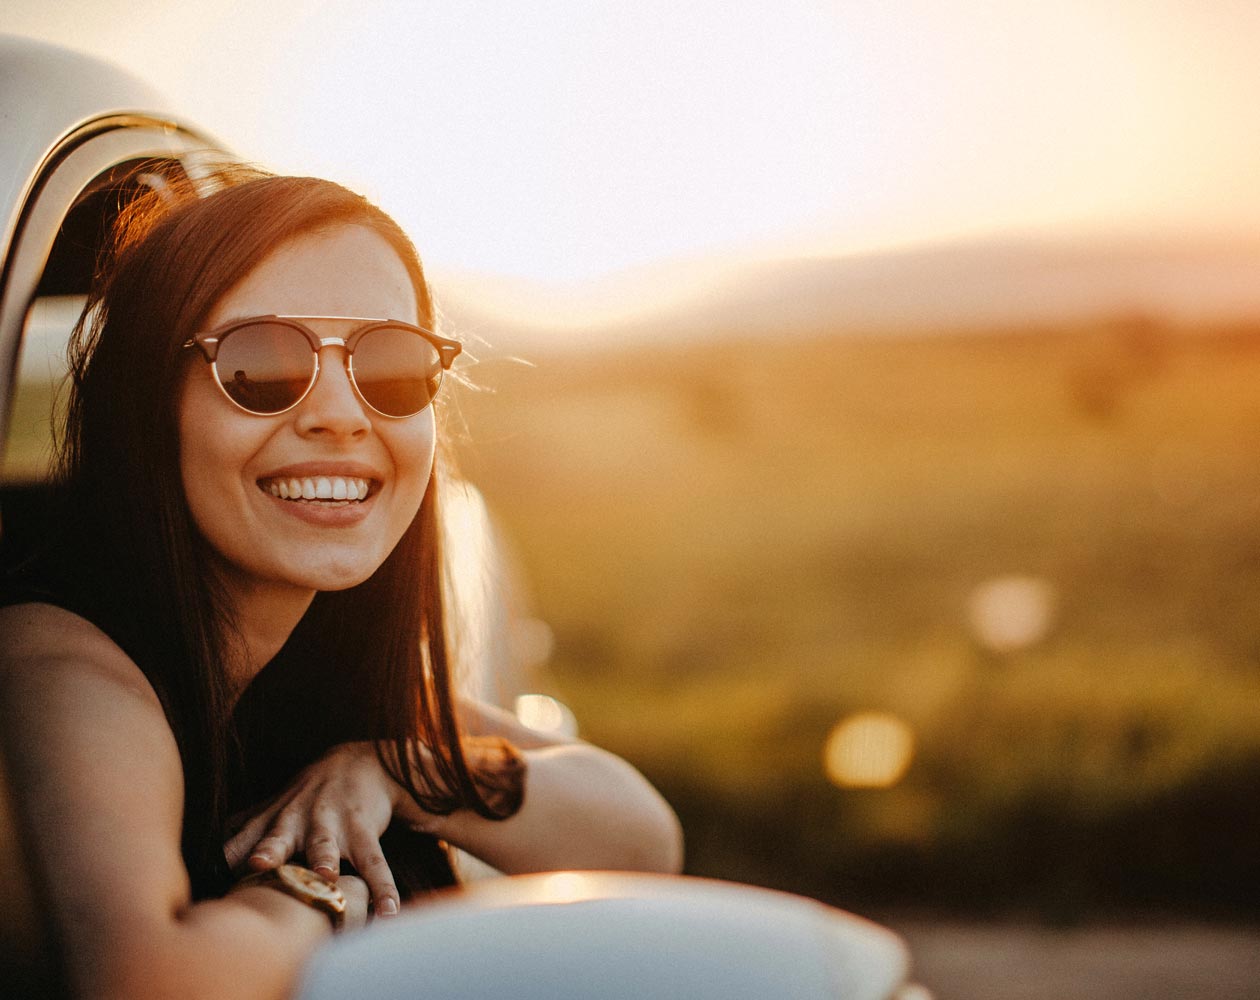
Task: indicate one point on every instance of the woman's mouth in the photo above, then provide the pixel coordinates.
(332, 491)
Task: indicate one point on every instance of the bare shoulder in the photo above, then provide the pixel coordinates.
(44, 644)
(68, 692)
(92, 755)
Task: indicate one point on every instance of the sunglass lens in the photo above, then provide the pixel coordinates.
(397, 370)
(265, 367)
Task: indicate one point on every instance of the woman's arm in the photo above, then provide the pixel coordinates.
(583, 808)
(97, 779)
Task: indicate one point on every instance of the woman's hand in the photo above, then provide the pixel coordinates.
(336, 808)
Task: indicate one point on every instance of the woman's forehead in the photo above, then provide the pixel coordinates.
(346, 271)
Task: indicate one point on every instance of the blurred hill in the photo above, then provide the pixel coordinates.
(1036, 549)
(991, 285)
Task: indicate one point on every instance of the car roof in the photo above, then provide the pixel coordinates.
(71, 125)
(48, 93)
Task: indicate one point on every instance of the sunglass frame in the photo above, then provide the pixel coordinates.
(208, 343)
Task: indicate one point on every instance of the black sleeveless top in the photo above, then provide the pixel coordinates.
(299, 706)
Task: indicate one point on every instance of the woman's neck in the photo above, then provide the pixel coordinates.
(266, 615)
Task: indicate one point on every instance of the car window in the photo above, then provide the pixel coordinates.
(61, 284)
(41, 369)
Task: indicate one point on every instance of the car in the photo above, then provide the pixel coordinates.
(614, 936)
(73, 129)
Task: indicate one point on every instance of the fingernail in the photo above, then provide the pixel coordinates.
(262, 856)
(327, 872)
(387, 908)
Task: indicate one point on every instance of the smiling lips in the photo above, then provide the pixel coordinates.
(319, 489)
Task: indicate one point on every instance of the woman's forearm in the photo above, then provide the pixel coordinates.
(584, 808)
(250, 944)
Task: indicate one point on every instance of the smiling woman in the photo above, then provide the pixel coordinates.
(230, 456)
(232, 654)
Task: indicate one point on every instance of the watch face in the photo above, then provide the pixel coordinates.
(307, 884)
(306, 881)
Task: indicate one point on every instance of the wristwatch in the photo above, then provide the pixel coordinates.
(302, 884)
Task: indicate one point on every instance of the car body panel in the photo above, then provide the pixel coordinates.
(50, 95)
(616, 936)
(67, 120)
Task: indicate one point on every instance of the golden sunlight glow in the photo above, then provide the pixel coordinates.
(868, 750)
(562, 141)
(568, 887)
(533, 642)
(546, 714)
(471, 561)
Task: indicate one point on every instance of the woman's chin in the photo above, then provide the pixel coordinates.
(303, 575)
(336, 577)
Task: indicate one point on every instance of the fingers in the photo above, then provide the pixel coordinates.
(323, 852)
(337, 808)
(370, 863)
(324, 846)
(363, 850)
(281, 841)
(237, 849)
(356, 892)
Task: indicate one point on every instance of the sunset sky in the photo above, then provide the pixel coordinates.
(562, 141)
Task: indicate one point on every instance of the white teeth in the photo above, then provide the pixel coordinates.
(331, 488)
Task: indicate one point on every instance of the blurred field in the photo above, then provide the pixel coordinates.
(967, 961)
(737, 544)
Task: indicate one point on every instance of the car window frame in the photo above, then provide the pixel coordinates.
(68, 171)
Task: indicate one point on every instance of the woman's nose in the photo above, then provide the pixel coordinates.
(332, 407)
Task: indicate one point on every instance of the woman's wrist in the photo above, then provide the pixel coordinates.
(301, 885)
(499, 771)
(279, 909)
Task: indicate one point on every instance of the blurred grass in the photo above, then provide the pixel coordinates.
(737, 543)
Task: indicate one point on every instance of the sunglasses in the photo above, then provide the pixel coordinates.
(267, 364)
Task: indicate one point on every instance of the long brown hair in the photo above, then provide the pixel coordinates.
(136, 555)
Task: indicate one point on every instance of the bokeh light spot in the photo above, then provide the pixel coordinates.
(1014, 612)
(868, 750)
(545, 714)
